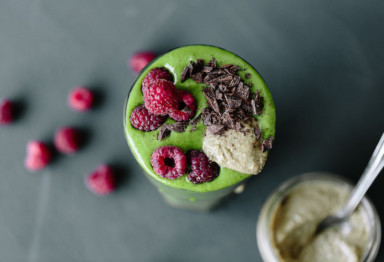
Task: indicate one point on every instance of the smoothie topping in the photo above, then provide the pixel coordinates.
(155, 74)
(165, 130)
(267, 144)
(161, 97)
(187, 107)
(143, 120)
(230, 101)
(203, 170)
(169, 162)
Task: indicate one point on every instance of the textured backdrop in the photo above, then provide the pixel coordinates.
(323, 62)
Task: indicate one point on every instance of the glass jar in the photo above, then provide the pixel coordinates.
(264, 233)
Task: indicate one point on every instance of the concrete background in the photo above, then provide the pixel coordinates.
(322, 60)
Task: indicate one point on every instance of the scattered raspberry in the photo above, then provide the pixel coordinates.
(38, 155)
(155, 74)
(102, 180)
(139, 60)
(143, 120)
(169, 162)
(67, 140)
(187, 107)
(6, 112)
(161, 97)
(81, 99)
(203, 170)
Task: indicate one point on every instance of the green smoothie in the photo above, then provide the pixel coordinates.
(180, 192)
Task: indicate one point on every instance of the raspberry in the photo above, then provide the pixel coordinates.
(81, 99)
(102, 180)
(161, 97)
(187, 107)
(169, 162)
(6, 112)
(67, 140)
(139, 60)
(38, 156)
(155, 74)
(143, 120)
(203, 170)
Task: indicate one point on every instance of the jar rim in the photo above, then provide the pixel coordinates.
(263, 233)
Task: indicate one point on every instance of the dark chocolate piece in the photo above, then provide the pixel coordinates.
(184, 74)
(257, 132)
(216, 129)
(212, 63)
(267, 144)
(196, 120)
(177, 127)
(163, 133)
(259, 103)
(211, 98)
(233, 102)
(198, 77)
(207, 69)
(192, 68)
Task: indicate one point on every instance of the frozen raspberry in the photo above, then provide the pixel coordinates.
(155, 74)
(102, 180)
(169, 162)
(6, 112)
(187, 107)
(81, 99)
(143, 120)
(203, 170)
(67, 140)
(38, 156)
(161, 97)
(139, 60)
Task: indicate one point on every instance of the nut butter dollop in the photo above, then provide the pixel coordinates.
(240, 151)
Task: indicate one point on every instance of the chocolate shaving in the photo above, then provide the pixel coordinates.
(219, 95)
(198, 77)
(233, 102)
(216, 129)
(184, 74)
(207, 69)
(267, 144)
(211, 99)
(166, 129)
(195, 120)
(257, 132)
(177, 127)
(259, 103)
(230, 101)
(212, 63)
(192, 68)
(163, 133)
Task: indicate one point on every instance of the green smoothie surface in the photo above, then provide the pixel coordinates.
(142, 143)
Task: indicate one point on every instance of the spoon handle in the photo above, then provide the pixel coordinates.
(375, 165)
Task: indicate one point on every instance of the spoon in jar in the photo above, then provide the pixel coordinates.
(375, 165)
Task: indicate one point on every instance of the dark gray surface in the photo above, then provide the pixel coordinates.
(323, 62)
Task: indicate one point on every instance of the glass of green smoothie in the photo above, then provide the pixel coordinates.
(232, 124)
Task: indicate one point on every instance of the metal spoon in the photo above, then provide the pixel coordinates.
(375, 165)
